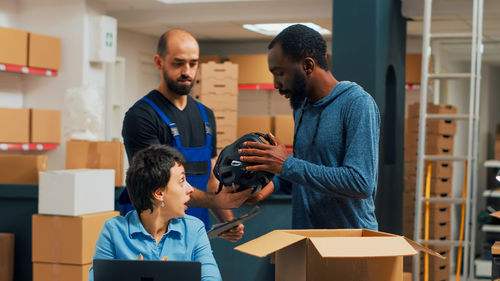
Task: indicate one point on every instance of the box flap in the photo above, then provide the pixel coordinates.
(496, 214)
(269, 243)
(421, 248)
(342, 247)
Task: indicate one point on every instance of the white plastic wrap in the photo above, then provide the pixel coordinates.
(83, 114)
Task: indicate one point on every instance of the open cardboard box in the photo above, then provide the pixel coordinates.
(340, 254)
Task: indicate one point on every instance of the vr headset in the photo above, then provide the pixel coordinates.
(230, 171)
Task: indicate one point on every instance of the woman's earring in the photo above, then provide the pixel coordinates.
(162, 204)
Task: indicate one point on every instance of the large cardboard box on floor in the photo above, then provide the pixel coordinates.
(96, 155)
(21, 168)
(45, 126)
(14, 125)
(67, 240)
(347, 254)
(6, 256)
(14, 46)
(60, 272)
(44, 51)
(76, 192)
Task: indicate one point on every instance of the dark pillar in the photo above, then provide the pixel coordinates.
(369, 48)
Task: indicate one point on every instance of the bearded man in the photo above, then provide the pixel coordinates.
(332, 174)
(169, 115)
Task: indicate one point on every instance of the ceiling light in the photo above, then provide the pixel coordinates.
(203, 1)
(272, 29)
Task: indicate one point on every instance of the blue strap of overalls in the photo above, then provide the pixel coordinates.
(173, 127)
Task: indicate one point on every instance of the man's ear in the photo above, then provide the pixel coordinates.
(309, 65)
(158, 61)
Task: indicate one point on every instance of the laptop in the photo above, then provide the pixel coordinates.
(146, 270)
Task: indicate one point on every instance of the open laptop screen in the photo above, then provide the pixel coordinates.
(145, 270)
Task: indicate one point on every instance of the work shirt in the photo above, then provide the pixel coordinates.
(125, 238)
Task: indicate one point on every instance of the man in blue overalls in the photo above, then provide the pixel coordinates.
(168, 115)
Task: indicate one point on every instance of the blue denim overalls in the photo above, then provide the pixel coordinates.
(193, 155)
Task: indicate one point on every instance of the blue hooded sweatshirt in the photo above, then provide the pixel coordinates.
(333, 173)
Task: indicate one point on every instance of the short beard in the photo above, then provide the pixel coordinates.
(176, 88)
(298, 92)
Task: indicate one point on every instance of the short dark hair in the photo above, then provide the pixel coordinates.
(148, 171)
(161, 49)
(299, 41)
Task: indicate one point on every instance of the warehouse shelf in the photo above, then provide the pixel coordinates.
(27, 146)
(492, 164)
(256, 87)
(490, 228)
(28, 70)
(491, 193)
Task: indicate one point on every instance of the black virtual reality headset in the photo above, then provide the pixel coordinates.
(230, 171)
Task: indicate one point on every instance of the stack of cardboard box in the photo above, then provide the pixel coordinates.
(73, 206)
(216, 86)
(439, 141)
(23, 126)
(29, 49)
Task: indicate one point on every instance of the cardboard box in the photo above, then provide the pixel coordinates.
(214, 70)
(253, 69)
(434, 143)
(347, 254)
(6, 256)
(96, 155)
(414, 109)
(76, 192)
(439, 169)
(438, 185)
(413, 68)
(255, 123)
(205, 59)
(44, 51)
(441, 127)
(45, 126)
(283, 128)
(219, 102)
(68, 240)
(435, 214)
(21, 168)
(60, 272)
(14, 125)
(14, 47)
(215, 87)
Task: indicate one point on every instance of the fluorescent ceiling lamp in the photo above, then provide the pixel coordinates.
(204, 1)
(271, 29)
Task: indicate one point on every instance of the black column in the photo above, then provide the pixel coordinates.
(369, 48)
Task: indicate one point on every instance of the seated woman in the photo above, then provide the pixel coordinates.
(158, 228)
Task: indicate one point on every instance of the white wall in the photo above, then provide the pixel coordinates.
(64, 19)
(140, 75)
(10, 83)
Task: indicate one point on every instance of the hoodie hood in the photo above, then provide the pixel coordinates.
(339, 89)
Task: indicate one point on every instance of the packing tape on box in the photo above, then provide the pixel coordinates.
(93, 158)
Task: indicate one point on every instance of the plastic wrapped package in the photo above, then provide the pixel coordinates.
(83, 114)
